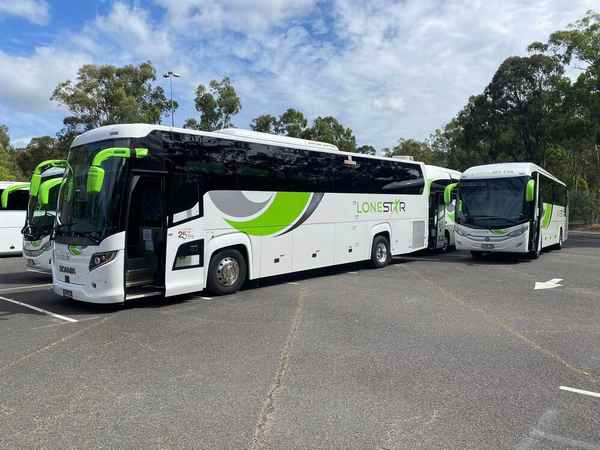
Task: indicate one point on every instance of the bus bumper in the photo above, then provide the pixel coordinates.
(78, 292)
(491, 243)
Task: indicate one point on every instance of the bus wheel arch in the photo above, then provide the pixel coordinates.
(237, 241)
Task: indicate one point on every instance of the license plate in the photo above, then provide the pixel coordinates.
(67, 293)
(487, 246)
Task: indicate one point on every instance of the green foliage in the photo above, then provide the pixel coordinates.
(9, 170)
(330, 130)
(40, 149)
(292, 123)
(420, 151)
(265, 124)
(107, 94)
(366, 150)
(216, 105)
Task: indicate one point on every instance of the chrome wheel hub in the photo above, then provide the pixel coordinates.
(228, 271)
(381, 253)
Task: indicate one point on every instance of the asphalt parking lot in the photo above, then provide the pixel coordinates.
(435, 351)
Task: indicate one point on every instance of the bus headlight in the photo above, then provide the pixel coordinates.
(99, 259)
(518, 232)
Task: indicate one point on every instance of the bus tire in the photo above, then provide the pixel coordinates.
(476, 255)
(446, 247)
(227, 272)
(559, 246)
(380, 252)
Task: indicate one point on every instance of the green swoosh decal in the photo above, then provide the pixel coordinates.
(547, 215)
(498, 232)
(285, 208)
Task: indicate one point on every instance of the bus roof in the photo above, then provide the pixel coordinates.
(5, 184)
(505, 170)
(441, 173)
(140, 130)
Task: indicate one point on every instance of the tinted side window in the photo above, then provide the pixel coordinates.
(185, 200)
(17, 200)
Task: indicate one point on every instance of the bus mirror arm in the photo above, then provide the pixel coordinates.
(8, 190)
(95, 175)
(448, 193)
(36, 178)
(530, 191)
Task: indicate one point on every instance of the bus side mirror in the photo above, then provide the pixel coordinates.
(44, 191)
(530, 191)
(448, 193)
(95, 179)
(36, 178)
(8, 190)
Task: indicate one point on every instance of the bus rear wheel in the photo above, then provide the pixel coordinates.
(227, 272)
(380, 252)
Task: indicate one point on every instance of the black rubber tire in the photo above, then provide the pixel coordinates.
(559, 246)
(476, 255)
(534, 254)
(214, 286)
(446, 247)
(378, 263)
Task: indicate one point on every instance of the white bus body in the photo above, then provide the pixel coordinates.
(442, 218)
(12, 219)
(495, 215)
(37, 243)
(207, 208)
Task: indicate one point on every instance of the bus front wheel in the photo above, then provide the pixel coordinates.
(227, 272)
(380, 253)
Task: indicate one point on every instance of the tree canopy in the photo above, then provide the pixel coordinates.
(217, 105)
(106, 94)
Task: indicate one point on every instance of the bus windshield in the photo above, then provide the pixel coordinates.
(493, 203)
(84, 217)
(40, 219)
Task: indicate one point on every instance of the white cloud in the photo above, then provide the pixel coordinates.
(132, 31)
(386, 68)
(28, 81)
(35, 11)
(244, 16)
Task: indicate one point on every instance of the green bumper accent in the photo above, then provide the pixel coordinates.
(8, 190)
(498, 232)
(283, 211)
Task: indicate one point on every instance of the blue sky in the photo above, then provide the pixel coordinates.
(387, 69)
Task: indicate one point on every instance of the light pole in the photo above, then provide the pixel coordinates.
(170, 75)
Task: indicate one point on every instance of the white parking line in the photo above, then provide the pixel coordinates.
(35, 308)
(293, 283)
(580, 391)
(19, 288)
(353, 273)
(206, 298)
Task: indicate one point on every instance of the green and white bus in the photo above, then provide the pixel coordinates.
(13, 207)
(511, 207)
(41, 213)
(152, 210)
(442, 216)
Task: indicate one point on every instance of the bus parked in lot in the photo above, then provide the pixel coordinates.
(41, 213)
(13, 206)
(149, 210)
(511, 207)
(441, 216)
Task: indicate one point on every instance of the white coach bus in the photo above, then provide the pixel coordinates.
(149, 210)
(511, 207)
(442, 216)
(41, 213)
(13, 206)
